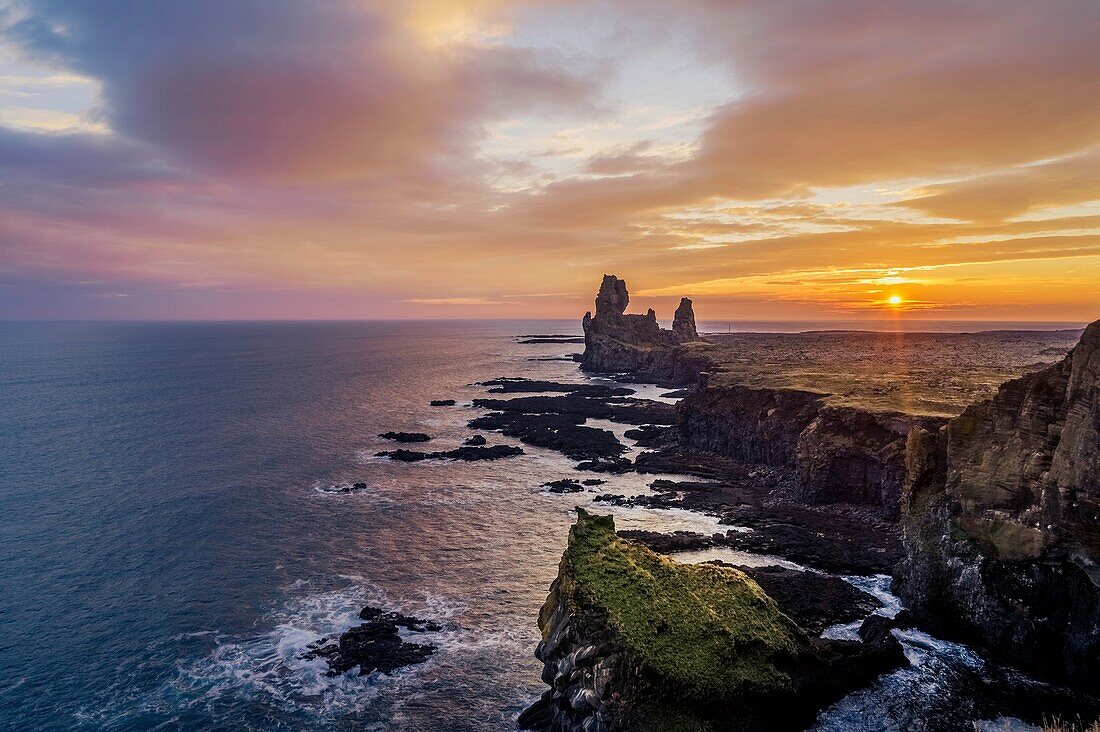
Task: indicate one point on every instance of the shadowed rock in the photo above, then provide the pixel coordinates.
(1001, 518)
(634, 641)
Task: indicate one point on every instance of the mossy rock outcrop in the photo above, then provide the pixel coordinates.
(634, 640)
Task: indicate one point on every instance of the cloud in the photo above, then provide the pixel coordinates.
(1015, 191)
(338, 150)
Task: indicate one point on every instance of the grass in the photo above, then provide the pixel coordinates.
(710, 632)
(1060, 725)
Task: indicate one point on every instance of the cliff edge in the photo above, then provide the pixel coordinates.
(1001, 521)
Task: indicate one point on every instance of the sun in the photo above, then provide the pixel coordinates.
(894, 300)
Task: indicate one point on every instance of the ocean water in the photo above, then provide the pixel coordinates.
(170, 543)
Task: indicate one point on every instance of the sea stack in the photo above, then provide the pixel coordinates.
(635, 641)
(617, 342)
(1001, 520)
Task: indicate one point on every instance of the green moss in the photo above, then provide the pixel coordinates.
(710, 632)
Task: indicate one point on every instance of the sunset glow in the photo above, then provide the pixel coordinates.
(462, 159)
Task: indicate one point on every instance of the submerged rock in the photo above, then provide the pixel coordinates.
(566, 485)
(375, 645)
(405, 436)
(635, 641)
(517, 385)
(469, 454)
(442, 402)
(1001, 519)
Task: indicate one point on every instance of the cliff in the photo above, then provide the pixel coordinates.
(1001, 521)
(636, 344)
(633, 640)
(834, 454)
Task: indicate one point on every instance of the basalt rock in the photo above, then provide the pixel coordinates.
(683, 322)
(836, 454)
(565, 433)
(1001, 520)
(375, 645)
(468, 454)
(635, 641)
(405, 436)
(620, 343)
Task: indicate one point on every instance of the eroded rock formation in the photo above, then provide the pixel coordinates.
(617, 342)
(635, 641)
(837, 454)
(1001, 520)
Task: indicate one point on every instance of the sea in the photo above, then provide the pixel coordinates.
(174, 534)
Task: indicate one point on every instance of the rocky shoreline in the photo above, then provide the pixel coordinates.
(987, 521)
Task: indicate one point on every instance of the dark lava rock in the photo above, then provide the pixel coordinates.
(536, 341)
(652, 436)
(375, 645)
(405, 436)
(593, 481)
(520, 386)
(875, 628)
(566, 485)
(442, 402)
(614, 466)
(675, 541)
(836, 542)
(815, 601)
(346, 488)
(616, 409)
(678, 393)
(469, 454)
(475, 441)
(685, 462)
(564, 433)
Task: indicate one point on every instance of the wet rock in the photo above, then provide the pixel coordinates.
(593, 481)
(652, 436)
(475, 441)
(613, 466)
(505, 385)
(469, 454)
(566, 339)
(875, 628)
(375, 645)
(615, 409)
(814, 601)
(566, 485)
(405, 436)
(838, 542)
(678, 393)
(442, 402)
(564, 433)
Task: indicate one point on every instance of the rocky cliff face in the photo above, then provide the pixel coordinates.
(1001, 519)
(620, 343)
(634, 641)
(835, 454)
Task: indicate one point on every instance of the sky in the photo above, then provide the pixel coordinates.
(780, 160)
